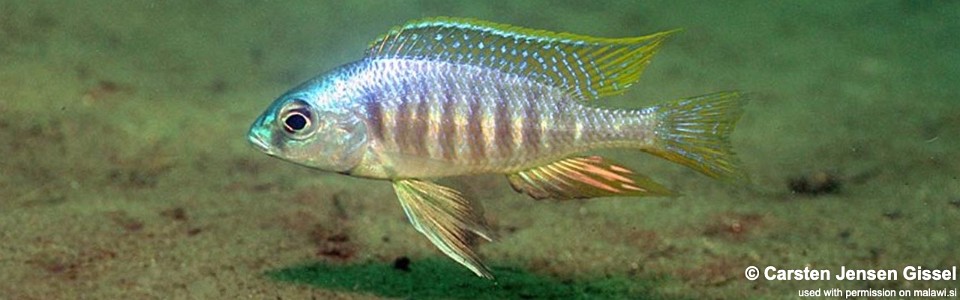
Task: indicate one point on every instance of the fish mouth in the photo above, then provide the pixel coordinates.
(259, 135)
(259, 142)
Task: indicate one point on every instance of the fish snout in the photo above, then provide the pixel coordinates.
(258, 142)
(259, 136)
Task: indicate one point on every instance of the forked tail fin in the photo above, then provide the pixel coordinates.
(695, 132)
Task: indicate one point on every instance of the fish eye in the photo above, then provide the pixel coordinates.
(297, 119)
(295, 122)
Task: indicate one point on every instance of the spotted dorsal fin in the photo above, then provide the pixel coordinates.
(585, 66)
(584, 177)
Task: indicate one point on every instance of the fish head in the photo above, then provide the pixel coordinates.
(313, 126)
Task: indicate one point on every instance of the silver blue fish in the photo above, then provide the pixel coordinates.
(445, 97)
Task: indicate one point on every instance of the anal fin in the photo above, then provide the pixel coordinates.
(448, 220)
(584, 177)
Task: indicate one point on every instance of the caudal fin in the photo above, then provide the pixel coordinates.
(695, 132)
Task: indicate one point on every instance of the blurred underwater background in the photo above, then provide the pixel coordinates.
(125, 171)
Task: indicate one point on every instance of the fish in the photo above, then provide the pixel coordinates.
(443, 97)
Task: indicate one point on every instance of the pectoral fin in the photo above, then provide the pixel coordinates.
(446, 218)
(584, 177)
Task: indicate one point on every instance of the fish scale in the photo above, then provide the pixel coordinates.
(527, 127)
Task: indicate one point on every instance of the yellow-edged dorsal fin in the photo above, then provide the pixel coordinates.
(585, 66)
(448, 220)
(584, 177)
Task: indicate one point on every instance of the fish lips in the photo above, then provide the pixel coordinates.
(260, 137)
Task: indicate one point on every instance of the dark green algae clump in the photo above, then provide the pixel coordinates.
(441, 279)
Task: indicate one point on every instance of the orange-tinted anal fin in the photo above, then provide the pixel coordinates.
(584, 177)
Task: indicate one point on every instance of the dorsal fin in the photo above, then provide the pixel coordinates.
(589, 67)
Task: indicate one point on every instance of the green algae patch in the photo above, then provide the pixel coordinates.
(435, 278)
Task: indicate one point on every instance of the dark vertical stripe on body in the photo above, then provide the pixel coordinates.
(503, 136)
(531, 121)
(448, 128)
(570, 119)
(564, 124)
(401, 129)
(421, 121)
(375, 116)
(475, 125)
